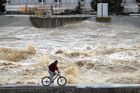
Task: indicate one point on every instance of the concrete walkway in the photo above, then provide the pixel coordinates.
(80, 88)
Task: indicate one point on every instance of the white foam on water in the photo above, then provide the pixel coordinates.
(99, 51)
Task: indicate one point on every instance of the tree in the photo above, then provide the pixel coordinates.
(113, 5)
(93, 4)
(79, 8)
(2, 5)
(138, 1)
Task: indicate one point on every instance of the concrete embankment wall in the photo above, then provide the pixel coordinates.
(44, 22)
(50, 22)
(57, 89)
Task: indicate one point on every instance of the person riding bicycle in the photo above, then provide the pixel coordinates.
(52, 69)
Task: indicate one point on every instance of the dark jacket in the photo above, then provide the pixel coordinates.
(53, 67)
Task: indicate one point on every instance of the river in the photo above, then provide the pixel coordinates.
(87, 51)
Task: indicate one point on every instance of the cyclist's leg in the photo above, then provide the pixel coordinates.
(51, 75)
(54, 73)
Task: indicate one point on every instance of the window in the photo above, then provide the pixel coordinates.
(57, 0)
(41, 1)
(8, 1)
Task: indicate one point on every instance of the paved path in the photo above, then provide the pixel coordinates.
(76, 85)
(76, 88)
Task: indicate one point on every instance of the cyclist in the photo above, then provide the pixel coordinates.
(52, 69)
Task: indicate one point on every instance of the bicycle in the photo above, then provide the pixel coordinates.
(61, 80)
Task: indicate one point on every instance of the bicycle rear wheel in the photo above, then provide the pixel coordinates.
(46, 81)
(61, 81)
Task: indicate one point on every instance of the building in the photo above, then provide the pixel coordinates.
(65, 4)
(33, 2)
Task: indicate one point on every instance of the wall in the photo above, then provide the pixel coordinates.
(49, 22)
(66, 89)
(64, 3)
(23, 2)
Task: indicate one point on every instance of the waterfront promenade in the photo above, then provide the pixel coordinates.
(75, 88)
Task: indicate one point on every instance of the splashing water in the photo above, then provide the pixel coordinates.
(88, 51)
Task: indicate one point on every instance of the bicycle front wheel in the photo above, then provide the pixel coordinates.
(61, 81)
(46, 81)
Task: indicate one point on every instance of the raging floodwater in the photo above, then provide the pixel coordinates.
(88, 51)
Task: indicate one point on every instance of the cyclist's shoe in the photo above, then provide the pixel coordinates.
(52, 81)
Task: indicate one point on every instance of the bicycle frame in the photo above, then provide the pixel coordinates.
(56, 76)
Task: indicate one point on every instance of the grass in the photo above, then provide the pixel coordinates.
(103, 19)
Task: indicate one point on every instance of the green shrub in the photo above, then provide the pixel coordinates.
(103, 19)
